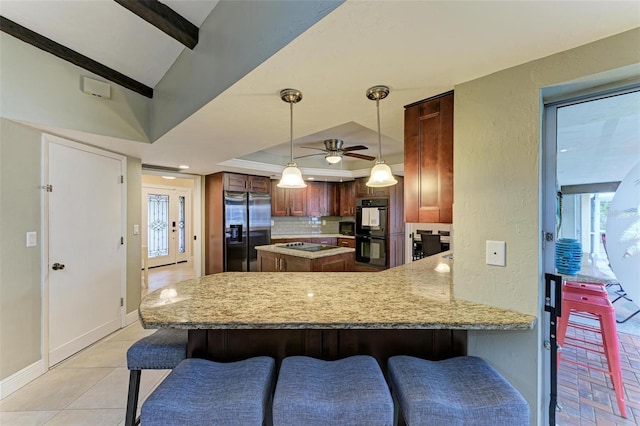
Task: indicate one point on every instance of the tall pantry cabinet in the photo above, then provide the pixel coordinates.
(428, 160)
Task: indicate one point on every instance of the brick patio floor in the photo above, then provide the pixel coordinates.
(587, 396)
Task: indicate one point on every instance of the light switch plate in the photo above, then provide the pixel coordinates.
(496, 253)
(32, 239)
(136, 229)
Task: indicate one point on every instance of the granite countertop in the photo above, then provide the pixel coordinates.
(411, 296)
(291, 236)
(281, 249)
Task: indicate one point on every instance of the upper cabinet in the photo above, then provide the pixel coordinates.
(246, 183)
(428, 160)
(348, 198)
(317, 199)
(364, 191)
(288, 202)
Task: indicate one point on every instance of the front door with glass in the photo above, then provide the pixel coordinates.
(166, 230)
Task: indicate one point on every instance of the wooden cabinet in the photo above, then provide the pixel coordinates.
(333, 199)
(246, 183)
(364, 191)
(288, 201)
(276, 262)
(347, 242)
(428, 160)
(347, 199)
(317, 199)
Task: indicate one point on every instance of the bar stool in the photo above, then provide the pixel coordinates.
(202, 392)
(349, 392)
(600, 309)
(162, 350)
(457, 391)
(593, 289)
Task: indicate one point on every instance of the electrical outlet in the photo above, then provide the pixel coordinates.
(496, 253)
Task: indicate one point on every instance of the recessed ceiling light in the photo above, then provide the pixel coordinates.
(564, 150)
(311, 178)
(183, 166)
(168, 177)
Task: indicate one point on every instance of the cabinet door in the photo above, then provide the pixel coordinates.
(279, 200)
(297, 201)
(396, 250)
(235, 182)
(333, 203)
(267, 261)
(428, 160)
(347, 199)
(259, 184)
(294, 264)
(317, 199)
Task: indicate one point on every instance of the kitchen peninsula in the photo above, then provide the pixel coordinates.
(305, 257)
(409, 310)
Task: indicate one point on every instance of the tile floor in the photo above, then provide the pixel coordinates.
(89, 388)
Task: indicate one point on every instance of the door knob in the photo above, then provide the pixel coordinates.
(57, 266)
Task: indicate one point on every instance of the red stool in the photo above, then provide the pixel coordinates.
(591, 289)
(598, 308)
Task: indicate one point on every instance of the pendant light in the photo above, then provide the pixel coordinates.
(381, 175)
(291, 175)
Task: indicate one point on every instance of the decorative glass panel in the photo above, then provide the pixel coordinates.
(181, 233)
(158, 238)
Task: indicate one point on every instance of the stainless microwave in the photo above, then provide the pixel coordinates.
(347, 228)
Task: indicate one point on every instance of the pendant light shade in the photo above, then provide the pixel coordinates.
(381, 175)
(291, 175)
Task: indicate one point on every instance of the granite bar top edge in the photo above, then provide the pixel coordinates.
(411, 296)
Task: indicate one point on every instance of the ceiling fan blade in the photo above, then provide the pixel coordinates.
(354, 148)
(309, 155)
(360, 156)
(311, 147)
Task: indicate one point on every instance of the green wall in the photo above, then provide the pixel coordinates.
(20, 270)
(20, 295)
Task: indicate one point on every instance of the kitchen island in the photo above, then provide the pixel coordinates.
(305, 257)
(408, 310)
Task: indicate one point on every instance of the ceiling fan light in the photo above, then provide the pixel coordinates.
(333, 158)
(381, 176)
(291, 177)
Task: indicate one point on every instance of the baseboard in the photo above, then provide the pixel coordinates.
(131, 317)
(21, 378)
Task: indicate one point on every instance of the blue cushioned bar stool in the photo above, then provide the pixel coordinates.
(162, 350)
(201, 392)
(457, 391)
(351, 391)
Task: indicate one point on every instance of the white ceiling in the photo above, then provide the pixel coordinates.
(418, 48)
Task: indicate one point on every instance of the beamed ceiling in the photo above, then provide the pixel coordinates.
(331, 51)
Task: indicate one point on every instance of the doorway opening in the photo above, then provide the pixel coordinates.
(592, 145)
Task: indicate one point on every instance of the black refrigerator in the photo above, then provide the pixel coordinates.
(247, 224)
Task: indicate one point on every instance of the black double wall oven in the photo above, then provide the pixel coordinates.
(372, 216)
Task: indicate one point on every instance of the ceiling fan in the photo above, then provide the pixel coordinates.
(334, 151)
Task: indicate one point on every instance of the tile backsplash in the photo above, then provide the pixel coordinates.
(306, 225)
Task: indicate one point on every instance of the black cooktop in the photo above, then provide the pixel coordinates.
(306, 246)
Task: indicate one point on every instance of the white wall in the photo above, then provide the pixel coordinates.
(497, 181)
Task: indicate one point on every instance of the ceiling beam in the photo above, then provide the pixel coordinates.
(63, 52)
(165, 19)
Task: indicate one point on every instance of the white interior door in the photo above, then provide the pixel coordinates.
(86, 252)
(166, 231)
